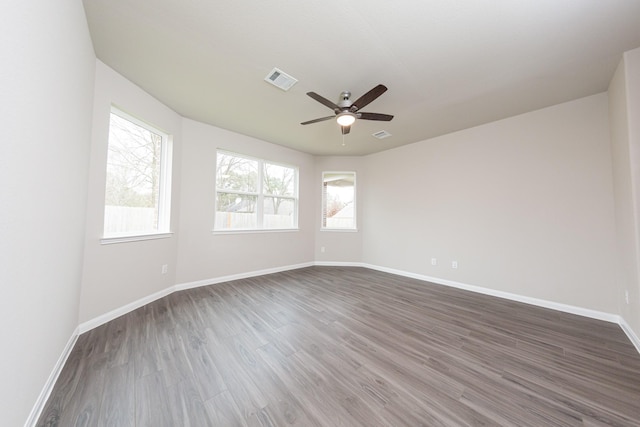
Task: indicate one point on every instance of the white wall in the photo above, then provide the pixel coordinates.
(118, 274)
(632, 62)
(45, 105)
(340, 246)
(204, 255)
(624, 110)
(524, 205)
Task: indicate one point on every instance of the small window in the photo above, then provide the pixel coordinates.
(254, 194)
(137, 197)
(339, 200)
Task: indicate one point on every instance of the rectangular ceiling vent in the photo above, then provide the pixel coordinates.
(280, 79)
(382, 134)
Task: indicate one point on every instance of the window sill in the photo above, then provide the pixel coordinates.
(275, 230)
(341, 230)
(135, 238)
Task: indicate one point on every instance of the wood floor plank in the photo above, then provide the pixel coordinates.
(88, 396)
(205, 375)
(346, 346)
(117, 407)
(248, 397)
(223, 411)
(186, 405)
(152, 402)
(298, 376)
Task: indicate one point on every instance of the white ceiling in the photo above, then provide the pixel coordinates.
(448, 64)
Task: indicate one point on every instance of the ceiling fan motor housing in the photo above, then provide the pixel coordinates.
(345, 101)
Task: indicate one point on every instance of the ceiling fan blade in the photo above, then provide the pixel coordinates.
(324, 101)
(322, 119)
(369, 97)
(375, 116)
(346, 129)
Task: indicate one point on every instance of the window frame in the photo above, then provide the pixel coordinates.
(163, 229)
(260, 196)
(323, 227)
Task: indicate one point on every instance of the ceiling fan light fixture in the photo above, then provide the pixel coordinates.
(346, 118)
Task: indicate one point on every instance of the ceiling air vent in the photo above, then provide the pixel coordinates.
(280, 79)
(382, 134)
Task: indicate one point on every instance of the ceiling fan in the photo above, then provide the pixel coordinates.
(346, 112)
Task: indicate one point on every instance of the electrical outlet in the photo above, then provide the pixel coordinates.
(626, 296)
(165, 267)
(454, 264)
(434, 261)
(322, 249)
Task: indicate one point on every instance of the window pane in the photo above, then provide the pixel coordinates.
(236, 173)
(133, 178)
(253, 194)
(235, 211)
(279, 180)
(279, 212)
(338, 200)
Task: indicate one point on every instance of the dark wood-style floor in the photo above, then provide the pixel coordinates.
(334, 346)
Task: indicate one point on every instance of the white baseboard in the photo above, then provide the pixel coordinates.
(222, 279)
(338, 264)
(630, 333)
(113, 314)
(37, 409)
(594, 314)
(580, 311)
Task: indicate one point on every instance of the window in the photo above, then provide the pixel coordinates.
(339, 200)
(253, 194)
(137, 197)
